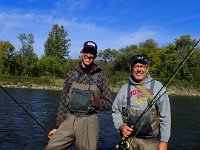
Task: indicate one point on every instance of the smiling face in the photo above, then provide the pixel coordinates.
(139, 71)
(87, 58)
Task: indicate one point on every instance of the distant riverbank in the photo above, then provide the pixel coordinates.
(171, 89)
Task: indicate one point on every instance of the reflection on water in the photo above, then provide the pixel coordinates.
(18, 131)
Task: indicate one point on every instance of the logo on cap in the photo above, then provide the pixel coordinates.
(90, 44)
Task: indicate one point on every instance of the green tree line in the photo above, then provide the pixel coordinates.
(56, 61)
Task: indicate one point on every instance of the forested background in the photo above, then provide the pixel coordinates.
(56, 61)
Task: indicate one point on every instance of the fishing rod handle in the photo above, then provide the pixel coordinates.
(123, 138)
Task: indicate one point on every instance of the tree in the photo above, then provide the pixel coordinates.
(51, 66)
(183, 45)
(26, 52)
(122, 61)
(27, 42)
(151, 49)
(57, 44)
(108, 55)
(6, 52)
(168, 62)
(150, 44)
(16, 67)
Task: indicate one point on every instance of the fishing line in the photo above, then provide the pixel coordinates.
(123, 139)
(23, 108)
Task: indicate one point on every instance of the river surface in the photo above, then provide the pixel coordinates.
(19, 131)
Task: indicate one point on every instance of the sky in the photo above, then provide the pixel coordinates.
(111, 24)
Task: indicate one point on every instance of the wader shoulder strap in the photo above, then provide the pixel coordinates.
(128, 95)
(76, 77)
(152, 87)
(147, 93)
(94, 77)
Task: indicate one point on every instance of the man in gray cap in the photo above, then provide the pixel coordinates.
(86, 89)
(152, 130)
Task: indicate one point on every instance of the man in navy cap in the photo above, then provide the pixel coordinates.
(152, 130)
(86, 89)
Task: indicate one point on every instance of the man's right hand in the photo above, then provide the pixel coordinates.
(125, 130)
(52, 132)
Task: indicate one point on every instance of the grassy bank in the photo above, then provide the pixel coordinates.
(29, 82)
(175, 87)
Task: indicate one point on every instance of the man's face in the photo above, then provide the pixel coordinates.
(87, 58)
(140, 71)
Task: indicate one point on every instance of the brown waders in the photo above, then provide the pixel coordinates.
(83, 130)
(143, 144)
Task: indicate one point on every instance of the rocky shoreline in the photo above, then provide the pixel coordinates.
(171, 90)
(33, 86)
(177, 91)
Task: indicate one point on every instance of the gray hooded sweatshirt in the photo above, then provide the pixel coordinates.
(138, 100)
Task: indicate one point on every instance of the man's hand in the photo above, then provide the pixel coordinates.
(162, 146)
(52, 132)
(125, 130)
(95, 102)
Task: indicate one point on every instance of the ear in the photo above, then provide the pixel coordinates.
(148, 69)
(81, 54)
(130, 69)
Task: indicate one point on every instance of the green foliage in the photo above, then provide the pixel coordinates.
(69, 65)
(15, 65)
(6, 52)
(168, 62)
(57, 44)
(183, 45)
(123, 58)
(108, 55)
(149, 44)
(27, 42)
(6, 48)
(51, 66)
(26, 57)
(119, 78)
(149, 48)
(114, 63)
(163, 61)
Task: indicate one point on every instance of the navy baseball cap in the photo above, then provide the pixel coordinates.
(139, 58)
(90, 47)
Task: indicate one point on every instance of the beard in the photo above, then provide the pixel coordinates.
(139, 77)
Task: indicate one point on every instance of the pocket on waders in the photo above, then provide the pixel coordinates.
(80, 100)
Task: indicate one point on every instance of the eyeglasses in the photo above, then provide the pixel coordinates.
(88, 57)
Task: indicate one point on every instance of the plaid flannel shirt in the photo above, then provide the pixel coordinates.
(102, 82)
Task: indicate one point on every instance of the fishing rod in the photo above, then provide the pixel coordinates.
(124, 144)
(23, 108)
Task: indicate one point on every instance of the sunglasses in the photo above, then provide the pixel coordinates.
(88, 57)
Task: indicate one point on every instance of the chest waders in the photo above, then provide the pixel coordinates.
(81, 95)
(148, 125)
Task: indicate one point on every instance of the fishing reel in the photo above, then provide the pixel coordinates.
(123, 145)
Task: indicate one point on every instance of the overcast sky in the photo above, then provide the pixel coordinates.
(110, 23)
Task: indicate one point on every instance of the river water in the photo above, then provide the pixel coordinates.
(18, 131)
